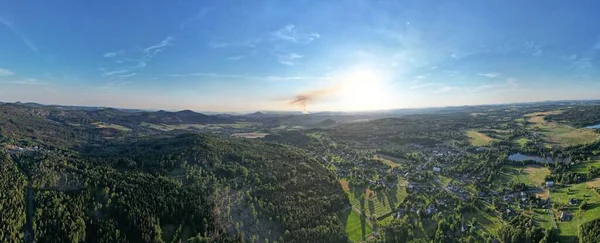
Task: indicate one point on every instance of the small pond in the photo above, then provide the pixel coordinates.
(522, 157)
(597, 126)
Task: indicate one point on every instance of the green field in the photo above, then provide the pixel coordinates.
(250, 135)
(583, 167)
(533, 175)
(165, 127)
(479, 139)
(521, 141)
(113, 126)
(559, 134)
(376, 203)
(488, 222)
(357, 226)
(388, 160)
(581, 191)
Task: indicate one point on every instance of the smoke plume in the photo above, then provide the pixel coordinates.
(312, 97)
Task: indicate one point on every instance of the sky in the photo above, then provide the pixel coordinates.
(306, 55)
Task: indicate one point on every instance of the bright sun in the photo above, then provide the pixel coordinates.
(362, 89)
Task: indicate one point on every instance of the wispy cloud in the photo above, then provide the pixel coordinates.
(242, 56)
(134, 59)
(126, 75)
(249, 77)
(423, 85)
(293, 34)
(6, 72)
(446, 89)
(111, 73)
(18, 33)
(199, 15)
(26, 81)
(113, 54)
(489, 75)
(288, 58)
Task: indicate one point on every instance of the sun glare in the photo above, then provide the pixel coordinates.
(362, 89)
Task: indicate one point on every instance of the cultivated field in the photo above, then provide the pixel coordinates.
(559, 134)
(560, 197)
(478, 138)
(533, 175)
(113, 126)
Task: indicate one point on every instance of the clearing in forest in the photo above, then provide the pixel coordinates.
(478, 138)
(357, 226)
(556, 133)
(533, 175)
(113, 126)
(581, 191)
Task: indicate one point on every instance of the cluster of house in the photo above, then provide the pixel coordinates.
(461, 193)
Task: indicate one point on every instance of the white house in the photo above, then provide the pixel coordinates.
(437, 169)
(549, 183)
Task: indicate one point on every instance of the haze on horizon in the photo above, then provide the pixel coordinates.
(301, 55)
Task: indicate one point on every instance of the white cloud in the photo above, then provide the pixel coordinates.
(126, 75)
(512, 81)
(237, 76)
(489, 75)
(288, 58)
(18, 33)
(418, 86)
(446, 89)
(26, 81)
(293, 34)
(113, 54)
(135, 59)
(110, 73)
(243, 56)
(6, 72)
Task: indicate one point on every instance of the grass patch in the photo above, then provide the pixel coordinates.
(250, 135)
(113, 126)
(533, 175)
(559, 134)
(584, 167)
(521, 141)
(479, 139)
(581, 191)
(356, 225)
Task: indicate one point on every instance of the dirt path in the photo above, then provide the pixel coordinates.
(550, 212)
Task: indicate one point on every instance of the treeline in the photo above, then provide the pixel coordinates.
(590, 231)
(579, 116)
(287, 186)
(12, 200)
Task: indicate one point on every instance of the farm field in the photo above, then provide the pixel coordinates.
(357, 226)
(478, 138)
(250, 135)
(374, 203)
(559, 134)
(533, 175)
(581, 191)
(165, 127)
(113, 126)
(521, 141)
(583, 167)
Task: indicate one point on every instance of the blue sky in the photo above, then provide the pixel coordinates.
(263, 55)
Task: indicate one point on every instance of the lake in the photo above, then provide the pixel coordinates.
(522, 157)
(597, 126)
